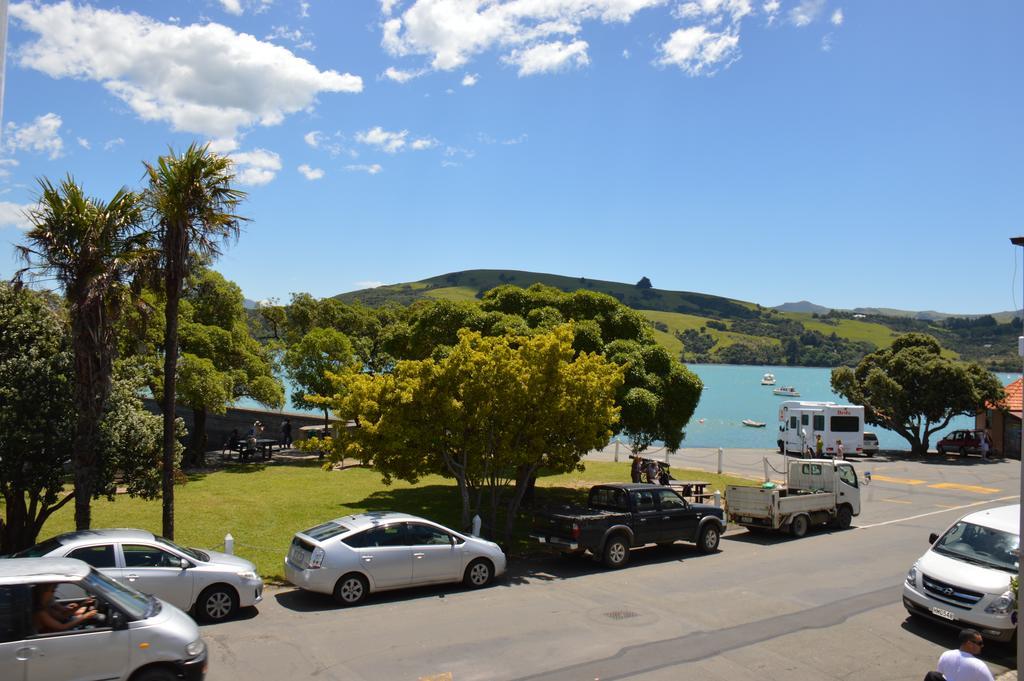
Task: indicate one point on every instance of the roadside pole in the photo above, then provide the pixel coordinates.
(1019, 241)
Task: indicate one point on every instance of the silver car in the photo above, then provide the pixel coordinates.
(353, 556)
(212, 585)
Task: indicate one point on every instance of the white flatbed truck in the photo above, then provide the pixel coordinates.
(818, 492)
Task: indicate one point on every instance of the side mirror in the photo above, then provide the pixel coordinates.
(117, 620)
(932, 538)
(184, 564)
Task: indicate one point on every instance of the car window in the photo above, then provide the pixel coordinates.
(425, 535)
(39, 550)
(609, 499)
(15, 608)
(141, 555)
(848, 475)
(669, 500)
(98, 556)
(388, 535)
(328, 530)
(644, 500)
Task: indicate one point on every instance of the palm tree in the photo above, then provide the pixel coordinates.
(93, 250)
(193, 205)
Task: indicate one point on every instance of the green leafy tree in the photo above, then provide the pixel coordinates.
(93, 249)
(193, 203)
(483, 414)
(310, 362)
(910, 388)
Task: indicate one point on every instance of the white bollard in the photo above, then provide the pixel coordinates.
(765, 462)
(229, 544)
(719, 460)
(666, 456)
(476, 525)
(718, 499)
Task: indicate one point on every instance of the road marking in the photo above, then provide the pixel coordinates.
(902, 481)
(446, 676)
(896, 501)
(966, 488)
(946, 510)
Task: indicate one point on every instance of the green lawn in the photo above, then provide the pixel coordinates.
(263, 506)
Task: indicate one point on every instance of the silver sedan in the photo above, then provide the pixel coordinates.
(353, 556)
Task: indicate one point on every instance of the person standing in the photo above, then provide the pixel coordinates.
(636, 470)
(984, 445)
(840, 450)
(962, 664)
(652, 472)
(818, 446)
(286, 432)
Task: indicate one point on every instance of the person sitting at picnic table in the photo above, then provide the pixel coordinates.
(653, 472)
(233, 439)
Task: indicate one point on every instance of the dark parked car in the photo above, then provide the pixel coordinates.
(964, 442)
(619, 517)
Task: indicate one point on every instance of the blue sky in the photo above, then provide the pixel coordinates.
(858, 153)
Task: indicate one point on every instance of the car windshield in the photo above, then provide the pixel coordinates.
(132, 603)
(191, 553)
(981, 545)
(326, 531)
(41, 549)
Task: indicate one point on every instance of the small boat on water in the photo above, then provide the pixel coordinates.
(752, 423)
(768, 379)
(787, 391)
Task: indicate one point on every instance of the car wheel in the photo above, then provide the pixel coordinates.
(844, 516)
(616, 552)
(798, 527)
(351, 589)
(962, 451)
(709, 537)
(217, 603)
(479, 573)
(156, 674)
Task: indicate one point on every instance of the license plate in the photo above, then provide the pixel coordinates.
(944, 614)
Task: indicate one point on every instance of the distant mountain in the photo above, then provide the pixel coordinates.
(249, 304)
(802, 306)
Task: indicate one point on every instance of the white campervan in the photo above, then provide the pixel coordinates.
(800, 424)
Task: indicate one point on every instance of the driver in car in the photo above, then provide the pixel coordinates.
(49, 616)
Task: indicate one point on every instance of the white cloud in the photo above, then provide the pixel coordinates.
(451, 32)
(698, 51)
(113, 143)
(311, 173)
(806, 12)
(826, 42)
(423, 143)
(13, 215)
(256, 167)
(312, 138)
(391, 142)
(369, 284)
(470, 79)
(399, 76)
(204, 79)
(41, 135)
(516, 140)
(232, 6)
(84, 143)
(625, 54)
(837, 17)
(295, 36)
(303, 10)
(771, 9)
(372, 169)
(548, 57)
(6, 163)
(715, 10)
(223, 145)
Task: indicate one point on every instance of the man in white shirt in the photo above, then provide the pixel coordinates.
(961, 664)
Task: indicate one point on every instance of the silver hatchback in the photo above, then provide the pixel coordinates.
(353, 556)
(213, 585)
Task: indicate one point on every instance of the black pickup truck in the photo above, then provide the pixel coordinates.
(619, 517)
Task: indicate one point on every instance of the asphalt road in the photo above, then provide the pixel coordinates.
(764, 607)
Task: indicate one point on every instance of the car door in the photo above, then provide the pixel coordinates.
(848, 492)
(436, 555)
(678, 521)
(15, 606)
(647, 527)
(154, 570)
(385, 555)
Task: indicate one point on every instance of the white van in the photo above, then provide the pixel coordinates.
(130, 635)
(800, 424)
(963, 580)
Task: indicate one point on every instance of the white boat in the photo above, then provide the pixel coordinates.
(768, 379)
(752, 423)
(787, 391)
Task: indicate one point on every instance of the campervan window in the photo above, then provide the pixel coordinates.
(845, 424)
(792, 422)
(805, 419)
(819, 422)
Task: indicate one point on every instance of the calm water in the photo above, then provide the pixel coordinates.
(733, 393)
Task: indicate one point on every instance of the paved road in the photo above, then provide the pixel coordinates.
(823, 607)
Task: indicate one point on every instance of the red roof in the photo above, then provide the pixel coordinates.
(1013, 401)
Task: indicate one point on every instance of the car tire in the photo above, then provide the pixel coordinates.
(962, 451)
(844, 516)
(708, 540)
(616, 552)
(798, 526)
(156, 674)
(478, 574)
(217, 603)
(351, 589)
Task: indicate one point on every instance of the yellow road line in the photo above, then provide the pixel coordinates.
(902, 481)
(966, 488)
(896, 501)
(446, 676)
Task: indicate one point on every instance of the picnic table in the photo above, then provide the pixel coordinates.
(691, 488)
(264, 447)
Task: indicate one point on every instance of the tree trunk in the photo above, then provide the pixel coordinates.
(172, 281)
(199, 441)
(464, 495)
